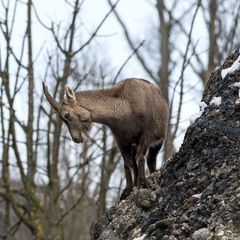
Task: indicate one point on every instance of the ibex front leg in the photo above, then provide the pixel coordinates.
(127, 167)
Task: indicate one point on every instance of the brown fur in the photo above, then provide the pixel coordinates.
(135, 111)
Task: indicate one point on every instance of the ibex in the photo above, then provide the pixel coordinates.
(135, 111)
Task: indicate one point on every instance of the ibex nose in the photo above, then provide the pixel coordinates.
(76, 140)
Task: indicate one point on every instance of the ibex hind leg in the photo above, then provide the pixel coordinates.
(134, 163)
(140, 158)
(152, 156)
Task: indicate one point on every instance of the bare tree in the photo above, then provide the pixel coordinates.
(50, 188)
(173, 29)
(41, 208)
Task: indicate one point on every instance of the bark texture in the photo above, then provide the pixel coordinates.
(196, 195)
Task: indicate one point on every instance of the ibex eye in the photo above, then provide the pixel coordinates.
(67, 116)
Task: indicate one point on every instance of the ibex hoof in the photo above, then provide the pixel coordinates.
(125, 193)
(143, 184)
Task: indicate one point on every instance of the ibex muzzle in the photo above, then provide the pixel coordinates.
(76, 118)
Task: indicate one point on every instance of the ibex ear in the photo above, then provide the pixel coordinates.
(69, 94)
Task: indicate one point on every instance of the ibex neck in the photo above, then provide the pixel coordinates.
(105, 105)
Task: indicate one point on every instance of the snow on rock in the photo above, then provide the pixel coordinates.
(236, 84)
(202, 106)
(231, 69)
(198, 195)
(216, 101)
(195, 116)
(237, 102)
(140, 238)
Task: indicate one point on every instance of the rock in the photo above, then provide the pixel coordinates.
(201, 234)
(196, 193)
(184, 218)
(145, 198)
(167, 237)
(220, 233)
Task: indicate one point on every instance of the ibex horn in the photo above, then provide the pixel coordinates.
(51, 100)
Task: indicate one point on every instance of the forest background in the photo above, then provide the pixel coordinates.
(50, 187)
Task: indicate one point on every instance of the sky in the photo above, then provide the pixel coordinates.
(110, 47)
(140, 18)
(134, 12)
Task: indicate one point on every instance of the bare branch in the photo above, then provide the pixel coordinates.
(57, 41)
(38, 18)
(113, 6)
(127, 60)
(130, 42)
(181, 78)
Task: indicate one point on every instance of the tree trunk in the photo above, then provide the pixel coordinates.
(29, 130)
(164, 72)
(212, 53)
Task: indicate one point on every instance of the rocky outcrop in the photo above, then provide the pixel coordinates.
(196, 195)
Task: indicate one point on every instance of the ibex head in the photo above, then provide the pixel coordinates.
(77, 119)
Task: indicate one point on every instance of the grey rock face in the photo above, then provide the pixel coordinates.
(196, 195)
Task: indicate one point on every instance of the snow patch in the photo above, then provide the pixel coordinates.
(231, 69)
(237, 102)
(202, 106)
(140, 238)
(198, 195)
(216, 101)
(195, 116)
(236, 84)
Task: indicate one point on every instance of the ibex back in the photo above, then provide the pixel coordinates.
(135, 111)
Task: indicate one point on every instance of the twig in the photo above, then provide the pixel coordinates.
(127, 60)
(181, 79)
(113, 6)
(131, 44)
